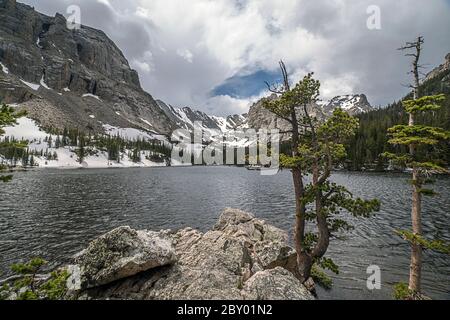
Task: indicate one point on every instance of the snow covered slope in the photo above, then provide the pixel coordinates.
(353, 103)
(185, 118)
(27, 129)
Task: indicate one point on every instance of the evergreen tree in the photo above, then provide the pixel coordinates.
(8, 117)
(26, 158)
(316, 148)
(136, 156)
(57, 142)
(81, 150)
(415, 136)
(374, 125)
(32, 162)
(65, 137)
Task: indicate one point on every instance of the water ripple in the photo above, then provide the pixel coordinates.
(55, 213)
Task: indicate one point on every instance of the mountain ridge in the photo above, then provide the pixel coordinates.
(80, 78)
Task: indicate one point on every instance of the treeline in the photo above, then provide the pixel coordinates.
(116, 147)
(13, 151)
(371, 141)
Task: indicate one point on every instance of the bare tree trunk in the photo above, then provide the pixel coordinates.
(415, 273)
(323, 240)
(415, 269)
(304, 261)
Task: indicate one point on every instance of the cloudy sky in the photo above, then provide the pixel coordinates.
(214, 55)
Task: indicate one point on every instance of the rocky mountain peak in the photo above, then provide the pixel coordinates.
(44, 46)
(352, 103)
(259, 117)
(442, 68)
(70, 78)
(7, 4)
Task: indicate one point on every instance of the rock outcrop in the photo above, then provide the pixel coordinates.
(439, 70)
(259, 117)
(241, 258)
(118, 254)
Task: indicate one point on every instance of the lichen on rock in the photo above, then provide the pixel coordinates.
(243, 257)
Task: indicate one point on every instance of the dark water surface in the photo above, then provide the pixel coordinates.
(55, 213)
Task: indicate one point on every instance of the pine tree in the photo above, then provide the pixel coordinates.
(8, 117)
(136, 155)
(65, 137)
(57, 142)
(316, 147)
(415, 136)
(26, 158)
(32, 162)
(81, 150)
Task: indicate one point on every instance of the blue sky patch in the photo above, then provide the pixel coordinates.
(244, 86)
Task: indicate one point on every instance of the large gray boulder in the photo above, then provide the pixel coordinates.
(241, 258)
(268, 245)
(118, 254)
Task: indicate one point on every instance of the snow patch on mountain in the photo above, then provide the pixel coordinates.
(146, 122)
(186, 117)
(90, 95)
(352, 103)
(26, 129)
(4, 68)
(133, 134)
(32, 86)
(43, 84)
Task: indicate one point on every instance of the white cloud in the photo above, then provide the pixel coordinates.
(333, 87)
(143, 64)
(221, 38)
(185, 54)
(224, 105)
(105, 2)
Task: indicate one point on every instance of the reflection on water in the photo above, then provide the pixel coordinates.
(55, 213)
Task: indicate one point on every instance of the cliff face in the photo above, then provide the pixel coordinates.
(441, 69)
(186, 117)
(69, 77)
(259, 117)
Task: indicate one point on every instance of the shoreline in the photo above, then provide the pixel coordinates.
(42, 168)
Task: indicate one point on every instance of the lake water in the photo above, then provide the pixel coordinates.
(55, 213)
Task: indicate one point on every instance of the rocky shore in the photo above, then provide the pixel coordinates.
(241, 258)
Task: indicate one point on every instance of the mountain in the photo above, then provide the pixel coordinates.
(436, 72)
(186, 117)
(70, 78)
(353, 104)
(259, 117)
(81, 79)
